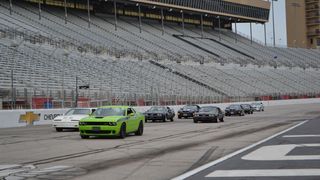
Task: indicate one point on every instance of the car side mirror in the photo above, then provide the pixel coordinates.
(131, 114)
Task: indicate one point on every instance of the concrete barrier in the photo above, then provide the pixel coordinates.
(19, 118)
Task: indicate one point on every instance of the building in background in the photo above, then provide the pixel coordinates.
(303, 23)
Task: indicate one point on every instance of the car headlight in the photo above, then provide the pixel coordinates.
(196, 115)
(212, 115)
(112, 124)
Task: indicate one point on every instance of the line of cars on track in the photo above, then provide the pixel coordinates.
(122, 120)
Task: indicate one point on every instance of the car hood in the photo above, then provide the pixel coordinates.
(105, 119)
(71, 117)
(205, 113)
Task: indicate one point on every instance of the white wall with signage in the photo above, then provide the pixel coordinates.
(20, 118)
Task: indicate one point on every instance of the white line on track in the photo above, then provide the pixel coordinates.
(301, 136)
(265, 173)
(201, 168)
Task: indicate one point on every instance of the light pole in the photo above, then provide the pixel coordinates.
(15, 46)
(273, 23)
(39, 6)
(10, 8)
(66, 54)
(89, 19)
(50, 56)
(65, 11)
(139, 12)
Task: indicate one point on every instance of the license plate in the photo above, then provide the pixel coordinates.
(95, 128)
(185, 114)
(232, 112)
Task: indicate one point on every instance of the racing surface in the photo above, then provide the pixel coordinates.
(166, 150)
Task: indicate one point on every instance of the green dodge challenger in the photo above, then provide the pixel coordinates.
(112, 121)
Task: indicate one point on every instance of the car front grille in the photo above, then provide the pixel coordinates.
(97, 123)
(98, 132)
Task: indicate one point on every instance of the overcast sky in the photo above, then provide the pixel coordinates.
(280, 24)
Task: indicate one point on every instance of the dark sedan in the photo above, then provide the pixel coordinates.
(248, 109)
(188, 111)
(208, 114)
(234, 109)
(159, 113)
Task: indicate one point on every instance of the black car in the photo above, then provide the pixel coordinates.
(161, 113)
(248, 109)
(188, 111)
(208, 114)
(234, 109)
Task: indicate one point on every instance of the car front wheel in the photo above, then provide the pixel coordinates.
(123, 132)
(84, 136)
(139, 132)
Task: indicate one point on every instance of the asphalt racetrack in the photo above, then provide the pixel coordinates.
(168, 150)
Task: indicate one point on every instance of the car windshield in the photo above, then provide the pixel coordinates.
(190, 107)
(78, 112)
(103, 112)
(246, 105)
(156, 109)
(208, 109)
(234, 107)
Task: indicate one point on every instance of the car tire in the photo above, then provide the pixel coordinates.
(84, 136)
(123, 133)
(59, 129)
(221, 120)
(171, 119)
(164, 119)
(179, 117)
(146, 121)
(216, 120)
(139, 132)
(195, 121)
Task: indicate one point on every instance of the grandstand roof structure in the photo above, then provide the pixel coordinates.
(244, 10)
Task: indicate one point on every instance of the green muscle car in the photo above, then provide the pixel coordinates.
(112, 121)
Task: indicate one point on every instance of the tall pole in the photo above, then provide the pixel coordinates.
(182, 16)
(65, 11)
(162, 21)
(89, 19)
(15, 46)
(219, 22)
(273, 24)
(10, 8)
(201, 19)
(66, 54)
(115, 15)
(236, 32)
(12, 93)
(50, 56)
(139, 11)
(77, 93)
(265, 34)
(251, 33)
(39, 6)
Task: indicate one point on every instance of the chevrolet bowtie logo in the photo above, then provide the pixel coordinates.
(29, 118)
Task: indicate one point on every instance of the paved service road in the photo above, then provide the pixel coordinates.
(166, 150)
(288, 155)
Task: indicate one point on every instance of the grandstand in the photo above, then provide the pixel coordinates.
(146, 54)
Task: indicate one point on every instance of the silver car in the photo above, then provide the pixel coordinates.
(257, 106)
